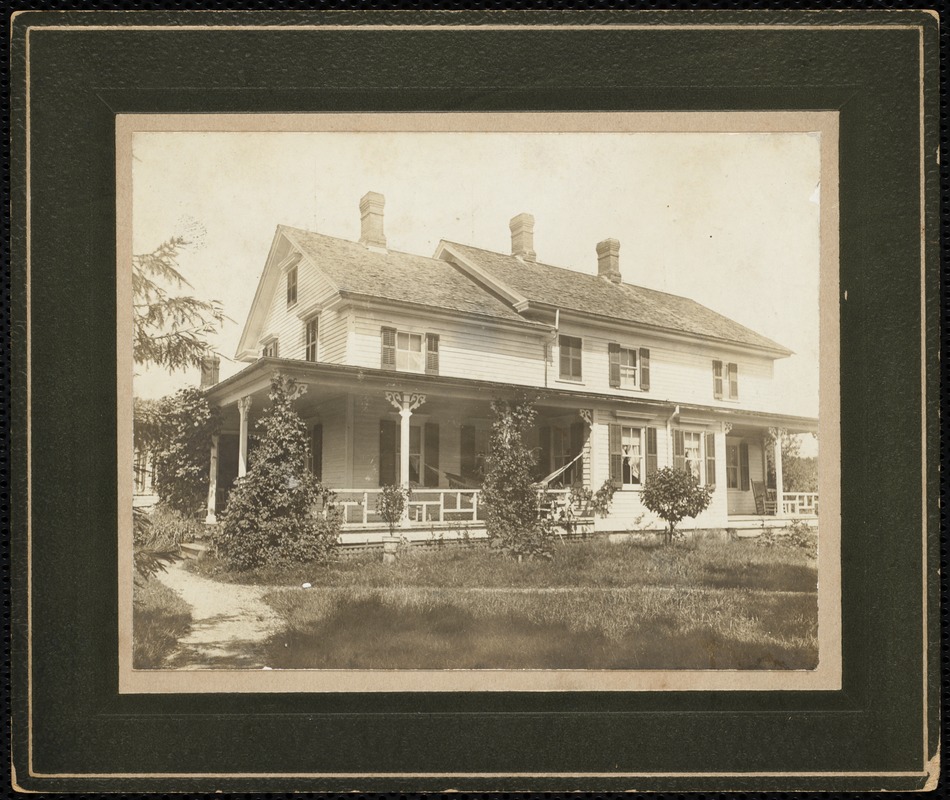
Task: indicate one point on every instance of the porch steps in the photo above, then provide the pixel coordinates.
(192, 550)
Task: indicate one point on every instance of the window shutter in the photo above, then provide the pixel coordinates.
(577, 446)
(388, 336)
(651, 452)
(432, 354)
(679, 451)
(467, 450)
(316, 451)
(616, 455)
(432, 474)
(544, 458)
(717, 380)
(387, 452)
(744, 466)
(645, 369)
(613, 359)
(711, 460)
(733, 381)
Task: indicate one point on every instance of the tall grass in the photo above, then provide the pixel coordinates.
(159, 619)
(597, 563)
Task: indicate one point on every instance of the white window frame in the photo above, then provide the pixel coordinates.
(733, 469)
(627, 458)
(405, 356)
(630, 374)
(315, 319)
(570, 378)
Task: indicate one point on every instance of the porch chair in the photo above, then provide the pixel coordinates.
(764, 504)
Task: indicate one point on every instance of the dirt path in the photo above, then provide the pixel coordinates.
(229, 625)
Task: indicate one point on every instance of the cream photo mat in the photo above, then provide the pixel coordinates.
(827, 676)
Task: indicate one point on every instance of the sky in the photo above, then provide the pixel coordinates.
(728, 219)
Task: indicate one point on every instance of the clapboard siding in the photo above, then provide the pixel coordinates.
(679, 372)
(283, 321)
(627, 510)
(467, 349)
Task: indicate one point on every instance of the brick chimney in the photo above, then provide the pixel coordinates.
(522, 237)
(608, 260)
(371, 220)
(210, 371)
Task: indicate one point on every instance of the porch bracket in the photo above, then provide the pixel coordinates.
(727, 428)
(586, 414)
(405, 401)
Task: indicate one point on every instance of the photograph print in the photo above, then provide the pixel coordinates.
(457, 402)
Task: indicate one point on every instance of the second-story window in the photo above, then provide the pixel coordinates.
(269, 350)
(313, 329)
(725, 380)
(570, 347)
(409, 352)
(629, 367)
(291, 286)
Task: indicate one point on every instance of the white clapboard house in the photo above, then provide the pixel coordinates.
(401, 355)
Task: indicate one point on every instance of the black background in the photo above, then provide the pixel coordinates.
(80, 79)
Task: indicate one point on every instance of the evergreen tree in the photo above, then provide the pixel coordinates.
(279, 512)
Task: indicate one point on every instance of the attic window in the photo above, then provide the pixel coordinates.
(291, 286)
(269, 348)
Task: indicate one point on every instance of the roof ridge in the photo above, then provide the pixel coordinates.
(358, 244)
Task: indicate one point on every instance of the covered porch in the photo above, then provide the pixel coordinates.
(370, 429)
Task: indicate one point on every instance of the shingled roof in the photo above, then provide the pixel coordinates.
(403, 277)
(590, 294)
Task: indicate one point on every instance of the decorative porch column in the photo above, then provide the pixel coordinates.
(244, 407)
(211, 519)
(405, 403)
(779, 484)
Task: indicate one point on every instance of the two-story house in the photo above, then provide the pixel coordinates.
(402, 354)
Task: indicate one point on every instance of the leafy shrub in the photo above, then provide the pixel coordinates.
(391, 503)
(279, 513)
(509, 495)
(674, 494)
(603, 498)
(798, 535)
(183, 454)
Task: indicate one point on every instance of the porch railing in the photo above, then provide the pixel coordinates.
(800, 503)
(425, 506)
(437, 505)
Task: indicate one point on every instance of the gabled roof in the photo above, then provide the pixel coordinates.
(402, 277)
(546, 285)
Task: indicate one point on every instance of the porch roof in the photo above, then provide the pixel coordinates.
(256, 377)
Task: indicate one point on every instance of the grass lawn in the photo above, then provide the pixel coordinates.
(159, 618)
(596, 605)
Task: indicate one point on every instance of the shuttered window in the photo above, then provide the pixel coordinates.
(409, 352)
(629, 368)
(432, 354)
(688, 453)
(270, 349)
(633, 454)
(388, 348)
(725, 380)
